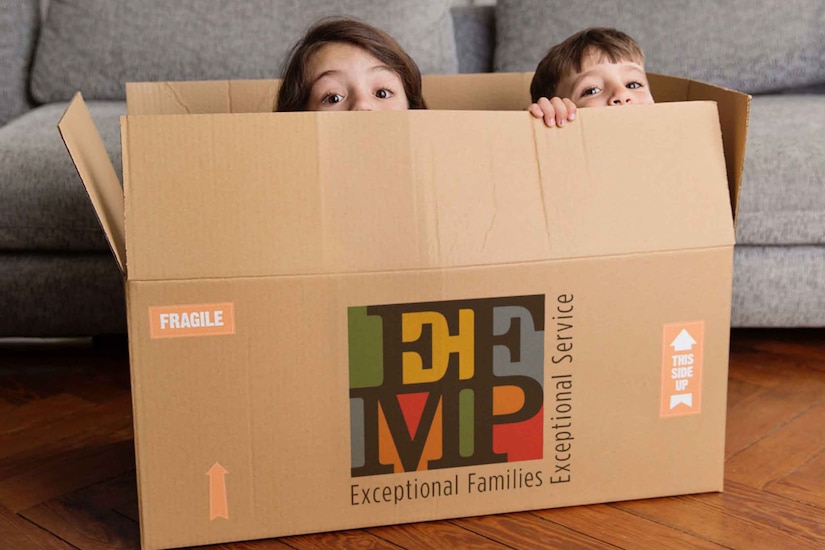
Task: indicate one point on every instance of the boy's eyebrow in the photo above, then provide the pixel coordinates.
(631, 65)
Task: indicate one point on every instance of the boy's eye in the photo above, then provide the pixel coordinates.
(590, 91)
(333, 98)
(383, 93)
(634, 85)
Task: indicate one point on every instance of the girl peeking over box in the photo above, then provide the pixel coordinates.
(348, 65)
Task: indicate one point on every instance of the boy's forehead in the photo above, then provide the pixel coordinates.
(596, 56)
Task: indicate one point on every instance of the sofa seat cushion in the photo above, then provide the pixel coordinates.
(782, 200)
(97, 45)
(43, 204)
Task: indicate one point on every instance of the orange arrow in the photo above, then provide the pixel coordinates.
(218, 506)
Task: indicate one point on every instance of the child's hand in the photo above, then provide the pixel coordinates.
(555, 111)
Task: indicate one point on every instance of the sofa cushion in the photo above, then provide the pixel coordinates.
(749, 45)
(782, 201)
(19, 20)
(97, 45)
(43, 204)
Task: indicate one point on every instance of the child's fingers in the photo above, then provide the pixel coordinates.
(536, 111)
(548, 110)
(571, 109)
(560, 109)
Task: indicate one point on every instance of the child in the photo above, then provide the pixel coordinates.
(347, 65)
(596, 67)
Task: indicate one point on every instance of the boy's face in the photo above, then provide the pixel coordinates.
(601, 83)
(346, 78)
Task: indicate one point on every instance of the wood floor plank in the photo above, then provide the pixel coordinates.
(800, 346)
(780, 452)
(268, 544)
(768, 410)
(21, 419)
(529, 531)
(436, 534)
(624, 530)
(85, 526)
(337, 540)
(805, 484)
(19, 533)
(720, 518)
(56, 474)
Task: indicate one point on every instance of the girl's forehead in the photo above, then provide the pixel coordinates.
(339, 54)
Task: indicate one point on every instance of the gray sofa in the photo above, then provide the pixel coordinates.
(58, 277)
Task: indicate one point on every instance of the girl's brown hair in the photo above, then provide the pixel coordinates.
(567, 57)
(295, 87)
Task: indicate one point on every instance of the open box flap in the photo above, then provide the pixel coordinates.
(201, 97)
(501, 92)
(734, 113)
(312, 193)
(92, 162)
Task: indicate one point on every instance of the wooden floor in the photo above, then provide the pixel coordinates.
(67, 476)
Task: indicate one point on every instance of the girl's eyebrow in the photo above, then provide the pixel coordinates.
(336, 72)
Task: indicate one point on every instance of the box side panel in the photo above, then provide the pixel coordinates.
(253, 96)
(177, 98)
(667, 89)
(354, 400)
(486, 91)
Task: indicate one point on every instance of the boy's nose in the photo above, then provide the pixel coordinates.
(621, 97)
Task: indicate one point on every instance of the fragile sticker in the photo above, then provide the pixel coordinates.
(183, 321)
(682, 358)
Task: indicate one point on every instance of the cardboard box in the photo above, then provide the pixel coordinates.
(340, 320)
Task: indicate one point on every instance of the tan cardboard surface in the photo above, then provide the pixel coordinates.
(270, 403)
(423, 200)
(92, 162)
(332, 314)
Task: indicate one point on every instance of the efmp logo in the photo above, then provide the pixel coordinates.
(446, 384)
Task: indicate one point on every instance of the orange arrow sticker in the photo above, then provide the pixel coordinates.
(682, 358)
(218, 505)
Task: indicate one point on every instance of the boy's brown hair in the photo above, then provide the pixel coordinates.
(295, 88)
(567, 57)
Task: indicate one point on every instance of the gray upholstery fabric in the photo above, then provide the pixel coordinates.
(782, 200)
(475, 36)
(51, 295)
(749, 45)
(778, 286)
(97, 45)
(19, 20)
(43, 204)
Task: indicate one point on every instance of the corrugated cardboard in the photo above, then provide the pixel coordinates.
(339, 320)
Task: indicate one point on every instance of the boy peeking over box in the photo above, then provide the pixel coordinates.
(596, 67)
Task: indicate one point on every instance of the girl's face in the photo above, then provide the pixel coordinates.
(344, 77)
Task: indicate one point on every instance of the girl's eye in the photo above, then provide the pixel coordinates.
(634, 85)
(590, 91)
(333, 98)
(383, 93)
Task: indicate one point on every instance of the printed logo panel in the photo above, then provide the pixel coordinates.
(183, 321)
(682, 358)
(446, 384)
